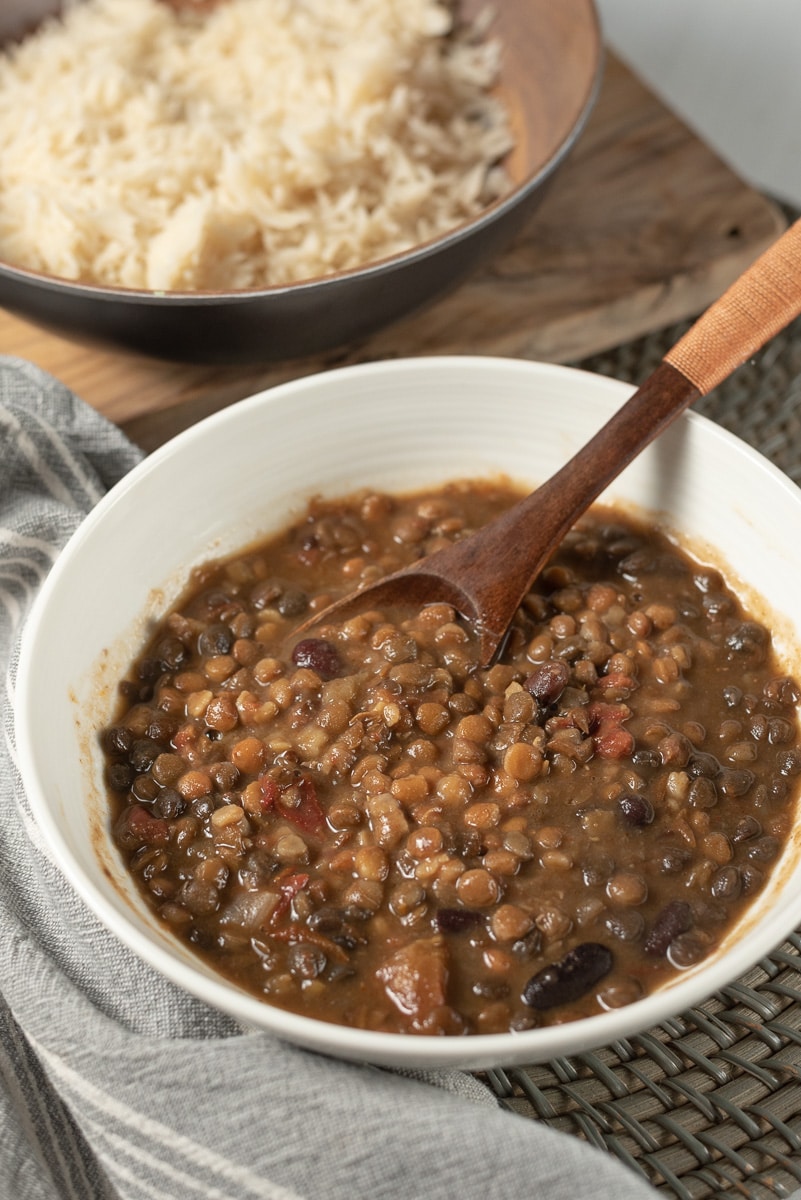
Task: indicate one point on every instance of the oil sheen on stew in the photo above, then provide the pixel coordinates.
(364, 827)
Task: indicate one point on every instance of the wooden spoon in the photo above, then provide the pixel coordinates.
(486, 575)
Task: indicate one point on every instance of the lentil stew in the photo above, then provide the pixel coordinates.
(360, 825)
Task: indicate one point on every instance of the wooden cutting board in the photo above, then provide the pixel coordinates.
(644, 226)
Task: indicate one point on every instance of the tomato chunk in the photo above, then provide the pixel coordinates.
(415, 978)
(296, 800)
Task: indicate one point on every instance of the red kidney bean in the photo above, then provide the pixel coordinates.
(319, 655)
(457, 920)
(675, 918)
(636, 810)
(547, 683)
(570, 978)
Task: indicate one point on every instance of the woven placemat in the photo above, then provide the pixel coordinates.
(761, 402)
(708, 1104)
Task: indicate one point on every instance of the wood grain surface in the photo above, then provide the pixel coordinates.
(644, 226)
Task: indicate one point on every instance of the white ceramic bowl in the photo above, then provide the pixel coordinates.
(243, 473)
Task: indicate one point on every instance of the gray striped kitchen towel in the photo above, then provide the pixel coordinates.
(114, 1085)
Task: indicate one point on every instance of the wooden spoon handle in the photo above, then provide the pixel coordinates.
(756, 307)
(496, 565)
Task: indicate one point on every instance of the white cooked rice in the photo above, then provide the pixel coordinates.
(265, 142)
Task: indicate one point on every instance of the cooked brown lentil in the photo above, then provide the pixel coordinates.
(363, 826)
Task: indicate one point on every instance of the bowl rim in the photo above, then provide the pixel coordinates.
(376, 268)
(389, 1049)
